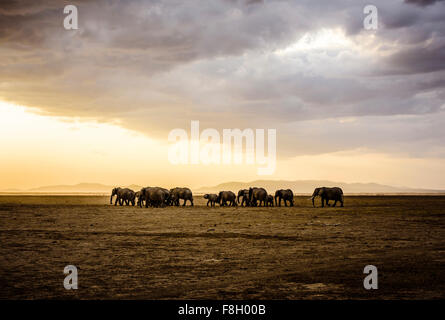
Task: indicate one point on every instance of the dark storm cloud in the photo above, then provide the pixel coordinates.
(422, 2)
(156, 65)
(419, 59)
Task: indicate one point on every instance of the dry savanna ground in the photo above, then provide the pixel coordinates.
(222, 253)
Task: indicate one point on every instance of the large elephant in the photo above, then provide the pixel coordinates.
(244, 195)
(153, 196)
(269, 201)
(327, 194)
(181, 193)
(211, 199)
(257, 194)
(226, 196)
(123, 195)
(286, 195)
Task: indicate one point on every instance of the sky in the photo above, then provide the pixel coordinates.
(97, 104)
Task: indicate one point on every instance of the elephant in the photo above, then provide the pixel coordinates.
(269, 201)
(123, 195)
(153, 196)
(166, 196)
(139, 198)
(327, 194)
(181, 193)
(211, 198)
(286, 195)
(226, 196)
(244, 193)
(257, 194)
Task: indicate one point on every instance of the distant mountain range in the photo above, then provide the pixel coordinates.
(77, 188)
(307, 186)
(298, 187)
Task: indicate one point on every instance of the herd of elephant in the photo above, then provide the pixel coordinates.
(252, 197)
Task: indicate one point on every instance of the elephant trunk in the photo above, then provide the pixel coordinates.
(237, 198)
(313, 204)
(111, 199)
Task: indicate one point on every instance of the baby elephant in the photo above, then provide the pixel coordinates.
(212, 199)
(269, 201)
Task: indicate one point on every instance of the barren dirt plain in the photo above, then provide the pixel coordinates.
(222, 253)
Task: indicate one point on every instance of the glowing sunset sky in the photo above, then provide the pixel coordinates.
(97, 104)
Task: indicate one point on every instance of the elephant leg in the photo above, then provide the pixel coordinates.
(285, 202)
(208, 203)
(185, 200)
(115, 202)
(335, 202)
(322, 202)
(191, 201)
